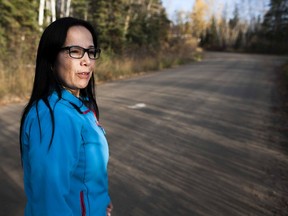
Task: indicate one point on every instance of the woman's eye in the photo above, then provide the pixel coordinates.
(92, 52)
(75, 51)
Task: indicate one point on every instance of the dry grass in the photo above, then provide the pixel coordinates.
(15, 83)
(118, 67)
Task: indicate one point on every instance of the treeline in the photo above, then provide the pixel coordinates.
(121, 23)
(133, 34)
(142, 26)
(260, 34)
(247, 29)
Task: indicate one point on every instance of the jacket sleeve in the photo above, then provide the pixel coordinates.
(50, 169)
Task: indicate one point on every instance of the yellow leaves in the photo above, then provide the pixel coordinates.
(198, 17)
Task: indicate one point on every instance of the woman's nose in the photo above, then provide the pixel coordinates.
(85, 60)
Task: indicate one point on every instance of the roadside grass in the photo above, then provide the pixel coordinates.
(117, 67)
(121, 67)
(285, 73)
(16, 82)
(284, 85)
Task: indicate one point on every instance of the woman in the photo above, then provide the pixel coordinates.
(64, 150)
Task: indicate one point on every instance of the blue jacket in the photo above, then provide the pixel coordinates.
(70, 178)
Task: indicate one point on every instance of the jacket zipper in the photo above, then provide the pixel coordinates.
(83, 208)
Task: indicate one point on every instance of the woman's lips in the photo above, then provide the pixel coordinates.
(84, 75)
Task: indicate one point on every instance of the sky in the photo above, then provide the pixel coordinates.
(172, 5)
(257, 6)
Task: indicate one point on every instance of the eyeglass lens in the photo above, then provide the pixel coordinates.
(78, 52)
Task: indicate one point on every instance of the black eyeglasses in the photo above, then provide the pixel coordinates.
(78, 52)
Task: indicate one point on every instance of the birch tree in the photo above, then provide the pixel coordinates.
(41, 12)
(64, 8)
(53, 10)
(68, 4)
(48, 6)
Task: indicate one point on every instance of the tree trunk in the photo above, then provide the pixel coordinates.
(53, 10)
(68, 3)
(48, 7)
(127, 19)
(62, 8)
(41, 12)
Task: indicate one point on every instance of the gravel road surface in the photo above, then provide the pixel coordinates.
(195, 140)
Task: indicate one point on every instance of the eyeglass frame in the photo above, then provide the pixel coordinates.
(84, 50)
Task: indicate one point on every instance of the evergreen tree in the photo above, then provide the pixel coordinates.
(239, 40)
(108, 18)
(214, 39)
(149, 25)
(80, 9)
(235, 20)
(275, 26)
(18, 25)
(275, 23)
(211, 38)
(157, 29)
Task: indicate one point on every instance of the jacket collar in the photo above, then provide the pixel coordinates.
(71, 99)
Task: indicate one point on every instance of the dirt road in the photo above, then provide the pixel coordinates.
(196, 140)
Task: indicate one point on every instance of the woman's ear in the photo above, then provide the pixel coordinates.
(52, 68)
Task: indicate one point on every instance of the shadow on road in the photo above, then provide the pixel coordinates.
(203, 143)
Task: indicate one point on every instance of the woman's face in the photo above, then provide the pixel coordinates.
(75, 74)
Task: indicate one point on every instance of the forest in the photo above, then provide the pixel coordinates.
(136, 35)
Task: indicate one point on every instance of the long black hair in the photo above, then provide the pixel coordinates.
(45, 80)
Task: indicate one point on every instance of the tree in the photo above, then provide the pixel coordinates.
(50, 10)
(234, 27)
(41, 12)
(223, 30)
(108, 18)
(275, 23)
(198, 14)
(63, 7)
(149, 25)
(233, 22)
(182, 25)
(18, 24)
(79, 9)
(211, 38)
(275, 26)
